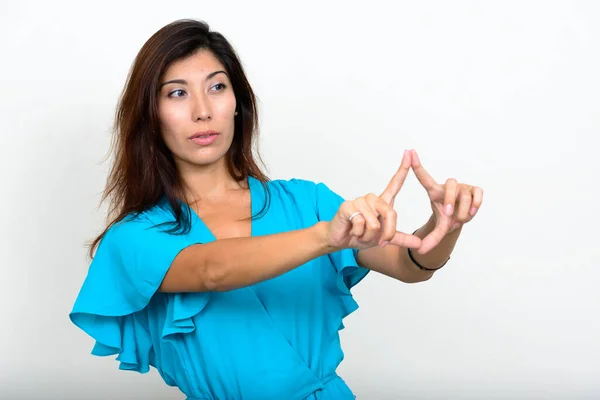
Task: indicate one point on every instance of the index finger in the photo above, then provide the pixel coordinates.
(398, 179)
(422, 176)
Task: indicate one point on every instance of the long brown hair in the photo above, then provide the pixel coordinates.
(143, 170)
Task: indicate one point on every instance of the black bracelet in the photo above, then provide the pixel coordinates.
(422, 268)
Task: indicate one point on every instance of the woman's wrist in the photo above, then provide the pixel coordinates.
(320, 232)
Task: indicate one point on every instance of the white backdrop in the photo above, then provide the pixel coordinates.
(503, 95)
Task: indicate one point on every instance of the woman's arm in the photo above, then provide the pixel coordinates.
(238, 262)
(394, 261)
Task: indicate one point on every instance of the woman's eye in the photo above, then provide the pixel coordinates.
(219, 86)
(176, 93)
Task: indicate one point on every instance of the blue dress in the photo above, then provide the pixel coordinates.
(277, 339)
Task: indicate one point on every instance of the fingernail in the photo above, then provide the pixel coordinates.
(384, 243)
(473, 211)
(449, 210)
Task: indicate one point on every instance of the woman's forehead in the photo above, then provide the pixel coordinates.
(199, 64)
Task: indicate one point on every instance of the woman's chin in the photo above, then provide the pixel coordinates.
(206, 159)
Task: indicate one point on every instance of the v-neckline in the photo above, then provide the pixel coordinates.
(253, 204)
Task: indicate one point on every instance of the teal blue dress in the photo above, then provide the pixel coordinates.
(274, 340)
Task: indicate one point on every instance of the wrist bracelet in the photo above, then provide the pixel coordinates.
(422, 268)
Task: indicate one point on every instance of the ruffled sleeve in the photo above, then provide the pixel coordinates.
(129, 266)
(349, 273)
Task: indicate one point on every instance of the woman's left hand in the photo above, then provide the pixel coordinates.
(453, 204)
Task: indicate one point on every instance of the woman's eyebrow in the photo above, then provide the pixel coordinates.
(184, 82)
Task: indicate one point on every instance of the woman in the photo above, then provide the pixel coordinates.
(231, 285)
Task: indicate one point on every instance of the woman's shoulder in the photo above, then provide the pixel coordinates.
(295, 185)
(134, 223)
(297, 190)
(304, 193)
(292, 182)
(302, 186)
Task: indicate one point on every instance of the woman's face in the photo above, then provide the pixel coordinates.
(196, 107)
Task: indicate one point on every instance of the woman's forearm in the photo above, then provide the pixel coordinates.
(438, 255)
(229, 264)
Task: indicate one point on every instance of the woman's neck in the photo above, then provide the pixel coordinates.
(208, 182)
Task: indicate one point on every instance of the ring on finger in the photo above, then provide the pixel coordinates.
(353, 215)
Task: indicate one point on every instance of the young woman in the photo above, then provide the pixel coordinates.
(232, 285)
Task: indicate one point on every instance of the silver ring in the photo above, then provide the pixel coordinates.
(353, 215)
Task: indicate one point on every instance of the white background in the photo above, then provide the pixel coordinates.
(500, 94)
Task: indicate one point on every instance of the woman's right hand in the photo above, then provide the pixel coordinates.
(370, 220)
